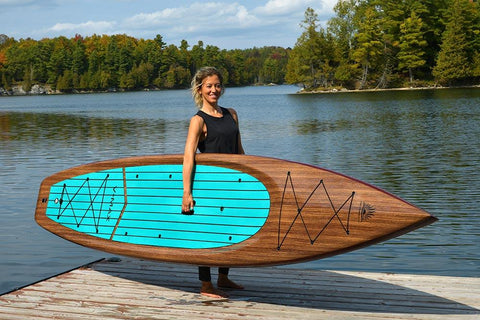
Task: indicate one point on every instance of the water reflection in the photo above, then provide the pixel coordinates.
(47, 127)
(51, 132)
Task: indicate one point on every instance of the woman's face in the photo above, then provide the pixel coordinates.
(211, 90)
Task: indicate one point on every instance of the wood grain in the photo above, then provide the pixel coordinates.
(136, 289)
(315, 213)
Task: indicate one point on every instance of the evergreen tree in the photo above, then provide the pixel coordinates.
(453, 61)
(343, 28)
(28, 79)
(310, 59)
(60, 60)
(197, 53)
(392, 15)
(273, 69)
(79, 59)
(235, 64)
(5, 82)
(411, 45)
(369, 45)
(65, 82)
(434, 21)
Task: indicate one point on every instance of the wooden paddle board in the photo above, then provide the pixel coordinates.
(250, 210)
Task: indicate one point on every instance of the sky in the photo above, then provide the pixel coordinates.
(222, 23)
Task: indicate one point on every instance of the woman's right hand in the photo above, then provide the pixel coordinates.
(188, 203)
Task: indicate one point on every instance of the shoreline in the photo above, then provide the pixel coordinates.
(385, 90)
(46, 90)
(39, 90)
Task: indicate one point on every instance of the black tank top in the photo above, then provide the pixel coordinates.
(222, 133)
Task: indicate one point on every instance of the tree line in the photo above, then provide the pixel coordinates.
(389, 43)
(98, 63)
(367, 44)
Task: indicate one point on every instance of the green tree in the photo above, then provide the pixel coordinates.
(28, 79)
(79, 59)
(453, 59)
(310, 59)
(5, 82)
(369, 46)
(106, 80)
(125, 60)
(213, 56)
(60, 59)
(127, 81)
(343, 28)
(391, 15)
(184, 58)
(274, 66)
(65, 82)
(112, 55)
(149, 51)
(20, 59)
(84, 83)
(412, 44)
(177, 77)
(95, 61)
(271, 70)
(139, 77)
(253, 63)
(197, 53)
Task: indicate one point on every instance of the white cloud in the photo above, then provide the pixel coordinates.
(283, 7)
(200, 17)
(88, 27)
(217, 22)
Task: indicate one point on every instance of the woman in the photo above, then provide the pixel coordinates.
(213, 130)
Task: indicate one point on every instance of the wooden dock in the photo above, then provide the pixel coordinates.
(136, 289)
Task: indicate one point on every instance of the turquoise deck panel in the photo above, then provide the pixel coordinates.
(91, 203)
(231, 206)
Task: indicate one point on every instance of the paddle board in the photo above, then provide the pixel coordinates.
(250, 210)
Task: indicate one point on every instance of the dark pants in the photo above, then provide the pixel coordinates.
(204, 273)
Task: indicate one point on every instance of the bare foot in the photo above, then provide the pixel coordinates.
(225, 282)
(209, 290)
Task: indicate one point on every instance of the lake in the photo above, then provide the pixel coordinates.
(422, 145)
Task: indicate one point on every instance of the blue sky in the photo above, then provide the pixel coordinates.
(226, 24)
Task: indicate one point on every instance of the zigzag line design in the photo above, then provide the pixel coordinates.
(80, 216)
(346, 227)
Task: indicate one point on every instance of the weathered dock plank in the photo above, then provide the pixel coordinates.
(136, 289)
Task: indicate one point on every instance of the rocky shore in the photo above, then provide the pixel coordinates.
(42, 89)
(19, 91)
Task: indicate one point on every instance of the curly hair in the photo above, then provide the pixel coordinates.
(197, 82)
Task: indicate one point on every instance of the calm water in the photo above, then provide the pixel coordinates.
(423, 146)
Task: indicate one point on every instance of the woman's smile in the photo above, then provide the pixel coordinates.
(211, 90)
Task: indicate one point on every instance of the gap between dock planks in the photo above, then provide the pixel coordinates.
(137, 289)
